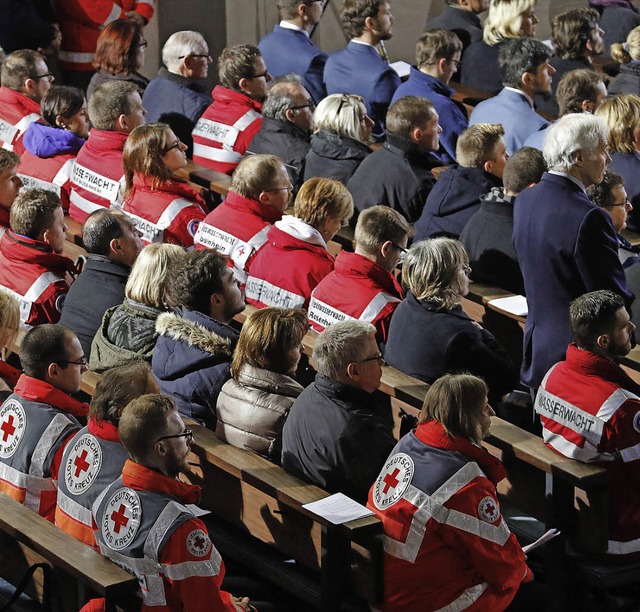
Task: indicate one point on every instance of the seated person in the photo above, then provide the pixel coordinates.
(295, 257)
(253, 406)
(260, 192)
(455, 197)
(332, 436)
(178, 95)
(441, 464)
(360, 68)
(362, 285)
(113, 244)
(461, 18)
(195, 345)
(222, 135)
(398, 174)
(627, 81)
(32, 266)
(600, 405)
(52, 144)
(341, 140)
(617, 19)
(287, 123)
(9, 328)
(487, 236)
(525, 70)
(115, 110)
(10, 184)
(163, 208)
(187, 570)
(430, 335)
(437, 60)
(94, 457)
(128, 331)
(40, 416)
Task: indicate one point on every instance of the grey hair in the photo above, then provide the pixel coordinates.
(339, 345)
(282, 92)
(569, 134)
(347, 123)
(181, 44)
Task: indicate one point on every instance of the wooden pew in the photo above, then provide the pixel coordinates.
(205, 177)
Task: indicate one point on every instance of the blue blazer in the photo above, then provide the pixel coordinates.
(287, 51)
(453, 118)
(536, 140)
(627, 165)
(359, 69)
(566, 247)
(516, 115)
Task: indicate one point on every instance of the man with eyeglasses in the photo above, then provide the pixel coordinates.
(222, 135)
(39, 419)
(288, 49)
(25, 80)
(332, 437)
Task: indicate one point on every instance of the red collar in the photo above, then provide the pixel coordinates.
(433, 434)
(15, 97)
(40, 391)
(9, 374)
(349, 264)
(106, 140)
(222, 95)
(266, 213)
(103, 430)
(174, 186)
(142, 478)
(33, 251)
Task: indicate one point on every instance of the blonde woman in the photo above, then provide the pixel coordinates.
(628, 55)
(9, 327)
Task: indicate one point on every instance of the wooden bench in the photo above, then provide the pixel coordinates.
(217, 182)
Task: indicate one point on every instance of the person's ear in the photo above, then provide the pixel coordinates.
(242, 84)
(45, 236)
(416, 134)
(53, 370)
(586, 106)
(525, 78)
(288, 115)
(441, 64)
(386, 247)
(488, 166)
(353, 372)
(603, 341)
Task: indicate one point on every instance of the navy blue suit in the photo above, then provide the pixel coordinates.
(453, 118)
(480, 67)
(627, 165)
(516, 115)
(286, 50)
(536, 140)
(566, 247)
(359, 69)
(464, 24)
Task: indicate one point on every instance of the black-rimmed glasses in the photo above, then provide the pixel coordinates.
(187, 433)
(264, 74)
(377, 358)
(81, 362)
(197, 55)
(177, 145)
(310, 105)
(289, 188)
(48, 75)
(458, 63)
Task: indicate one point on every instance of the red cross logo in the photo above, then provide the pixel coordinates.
(81, 463)
(8, 428)
(490, 509)
(391, 481)
(199, 542)
(119, 518)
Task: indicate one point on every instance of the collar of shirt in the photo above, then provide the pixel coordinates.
(570, 177)
(359, 42)
(526, 96)
(287, 25)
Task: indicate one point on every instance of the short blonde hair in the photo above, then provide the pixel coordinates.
(477, 144)
(255, 174)
(150, 274)
(632, 52)
(323, 198)
(32, 212)
(505, 20)
(379, 224)
(9, 319)
(622, 116)
(431, 270)
(340, 113)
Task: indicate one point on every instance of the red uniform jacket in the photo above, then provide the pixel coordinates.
(17, 113)
(50, 173)
(358, 288)
(225, 130)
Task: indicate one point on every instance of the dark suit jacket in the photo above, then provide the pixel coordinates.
(480, 67)
(464, 23)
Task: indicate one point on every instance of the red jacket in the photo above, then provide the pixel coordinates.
(170, 213)
(225, 130)
(289, 266)
(358, 288)
(36, 276)
(50, 173)
(17, 113)
(98, 177)
(237, 228)
(590, 411)
(446, 544)
(81, 21)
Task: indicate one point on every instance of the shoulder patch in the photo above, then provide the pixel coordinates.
(60, 302)
(636, 421)
(192, 226)
(393, 481)
(13, 424)
(83, 464)
(120, 520)
(198, 543)
(488, 509)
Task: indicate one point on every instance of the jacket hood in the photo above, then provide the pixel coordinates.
(301, 230)
(327, 143)
(46, 141)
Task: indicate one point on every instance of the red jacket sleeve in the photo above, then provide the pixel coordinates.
(183, 228)
(146, 8)
(95, 13)
(48, 307)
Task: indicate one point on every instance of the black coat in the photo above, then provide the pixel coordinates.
(617, 22)
(627, 82)
(465, 24)
(26, 24)
(480, 67)
(334, 156)
(333, 439)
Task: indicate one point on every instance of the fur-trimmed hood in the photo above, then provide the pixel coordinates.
(193, 333)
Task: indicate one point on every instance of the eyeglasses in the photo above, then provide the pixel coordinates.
(623, 204)
(177, 145)
(458, 63)
(310, 105)
(187, 433)
(142, 44)
(289, 188)
(48, 75)
(377, 358)
(197, 55)
(401, 249)
(81, 362)
(265, 74)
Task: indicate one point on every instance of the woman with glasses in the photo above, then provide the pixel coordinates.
(341, 140)
(430, 335)
(164, 208)
(119, 55)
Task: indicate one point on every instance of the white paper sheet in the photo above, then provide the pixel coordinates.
(515, 304)
(338, 509)
(402, 68)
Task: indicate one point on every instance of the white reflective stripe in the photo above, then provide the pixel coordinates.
(246, 120)
(96, 183)
(623, 548)
(33, 486)
(467, 598)
(40, 285)
(254, 243)
(221, 155)
(73, 57)
(73, 509)
(31, 182)
(7, 146)
(133, 565)
(163, 523)
(65, 173)
(630, 454)
(26, 121)
(149, 230)
(216, 131)
(172, 211)
(613, 402)
(376, 305)
(8, 132)
(321, 313)
(497, 534)
(189, 569)
(263, 291)
(116, 11)
(83, 204)
(588, 454)
(58, 424)
(25, 306)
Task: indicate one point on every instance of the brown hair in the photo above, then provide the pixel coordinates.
(622, 116)
(476, 145)
(378, 224)
(571, 31)
(436, 44)
(235, 63)
(143, 152)
(575, 87)
(408, 113)
(18, 67)
(32, 212)
(322, 198)
(255, 174)
(355, 12)
(9, 319)
(109, 101)
(117, 47)
(8, 159)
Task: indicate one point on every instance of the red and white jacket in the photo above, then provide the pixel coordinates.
(17, 113)
(170, 213)
(358, 288)
(446, 544)
(50, 173)
(223, 133)
(98, 177)
(590, 411)
(289, 266)
(36, 276)
(81, 21)
(238, 229)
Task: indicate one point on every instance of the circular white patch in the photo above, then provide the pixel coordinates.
(192, 226)
(83, 464)
(636, 422)
(13, 424)
(198, 543)
(121, 519)
(60, 302)
(393, 481)
(489, 510)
